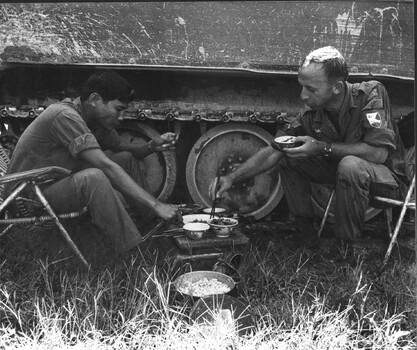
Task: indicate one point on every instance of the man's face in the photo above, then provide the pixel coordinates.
(317, 92)
(109, 114)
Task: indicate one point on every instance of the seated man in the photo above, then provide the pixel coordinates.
(74, 135)
(349, 139)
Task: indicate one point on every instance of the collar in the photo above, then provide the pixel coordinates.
(348, 103)
(79, 107)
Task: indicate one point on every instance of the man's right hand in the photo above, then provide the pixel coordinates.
(168, 212)
(225, 182)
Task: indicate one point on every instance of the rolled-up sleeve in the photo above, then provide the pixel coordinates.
(81, 143)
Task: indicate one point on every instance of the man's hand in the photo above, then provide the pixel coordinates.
(164, 142)
(310, 147)
(225, 182)
(168, 212)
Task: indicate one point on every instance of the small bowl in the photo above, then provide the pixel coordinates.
(196, 218)
(195, 230)
(285, 142)
(216, 210)
(223, 227)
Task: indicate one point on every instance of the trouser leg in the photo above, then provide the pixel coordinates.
(131, 165)
(356, 180)
(296, 177)
(91, 188)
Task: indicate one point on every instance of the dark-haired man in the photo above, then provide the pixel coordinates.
(349, 139)
(74, 135)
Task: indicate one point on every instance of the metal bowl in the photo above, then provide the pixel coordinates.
(184, 283)
(285, 142)
(195, 230)
(223, 227)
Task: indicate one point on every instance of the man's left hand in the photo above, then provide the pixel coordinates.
(163, 143)
(310, 148)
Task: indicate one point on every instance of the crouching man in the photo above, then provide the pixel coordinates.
(349, 139)
(74, 134)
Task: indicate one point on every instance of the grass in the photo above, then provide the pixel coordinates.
(296, 302)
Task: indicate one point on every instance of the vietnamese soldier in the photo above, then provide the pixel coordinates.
(80, 135)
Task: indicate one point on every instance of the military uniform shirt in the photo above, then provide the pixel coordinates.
(365, 116)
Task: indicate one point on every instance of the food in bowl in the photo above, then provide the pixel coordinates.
(196, 218)
(223, 227)
(285, 142)
(204, 283)
(195, 230)
(204, 287)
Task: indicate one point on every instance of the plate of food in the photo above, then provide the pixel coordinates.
(204, 283)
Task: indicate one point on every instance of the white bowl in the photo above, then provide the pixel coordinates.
(195, 230)
(196, 218)
(223, 227)
(216, 210)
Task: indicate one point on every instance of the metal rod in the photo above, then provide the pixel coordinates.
(60, 226)
(213, 207)
(13, 195)
(43, 218)
(153, 231)
(399, 222)
(198, 256)
(326, 213)
(6, 230)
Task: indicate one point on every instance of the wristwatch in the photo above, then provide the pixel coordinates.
(327, 152)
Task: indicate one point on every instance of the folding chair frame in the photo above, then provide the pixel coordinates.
(32, 179)
(407, 203)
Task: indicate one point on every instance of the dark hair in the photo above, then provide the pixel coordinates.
(334, 64)
(109, 85)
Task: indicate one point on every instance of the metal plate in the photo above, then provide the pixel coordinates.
(225, 147)
(320, 197)
(195, 276)
(160, 168)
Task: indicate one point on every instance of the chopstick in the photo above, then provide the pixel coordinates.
(213, 206)
(153, 231)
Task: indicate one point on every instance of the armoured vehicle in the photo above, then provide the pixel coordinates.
(223, 75)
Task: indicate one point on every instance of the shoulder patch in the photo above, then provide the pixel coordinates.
(374, 119)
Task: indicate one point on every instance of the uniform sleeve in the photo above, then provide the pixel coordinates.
(377, 119)
(69, 130)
